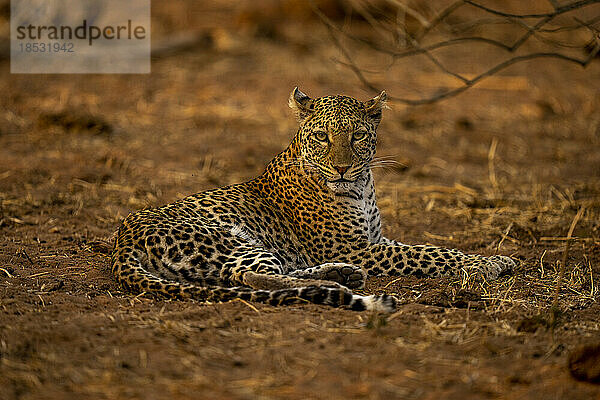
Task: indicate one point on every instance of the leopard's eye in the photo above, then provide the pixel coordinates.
(320, 136)
(359, 135)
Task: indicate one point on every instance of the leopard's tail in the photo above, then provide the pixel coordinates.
(131, 274)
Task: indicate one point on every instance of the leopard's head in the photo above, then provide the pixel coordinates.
(338, 135)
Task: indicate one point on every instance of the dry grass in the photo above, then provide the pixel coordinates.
(503, 169)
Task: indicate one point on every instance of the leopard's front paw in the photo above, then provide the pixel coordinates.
(348, 275)
(351, 276)
(492, 267)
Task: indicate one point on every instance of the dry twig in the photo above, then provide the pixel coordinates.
(561, 272)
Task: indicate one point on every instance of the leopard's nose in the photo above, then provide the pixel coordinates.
(342, 169)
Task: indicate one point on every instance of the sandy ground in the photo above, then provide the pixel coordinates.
(503, 168)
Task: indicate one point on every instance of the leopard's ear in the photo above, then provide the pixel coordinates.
(374, 107)
(302, 105)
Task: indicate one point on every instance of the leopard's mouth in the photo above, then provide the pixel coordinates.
(340, 186)
(340, 180)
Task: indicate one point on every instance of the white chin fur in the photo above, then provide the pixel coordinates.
(340, 187)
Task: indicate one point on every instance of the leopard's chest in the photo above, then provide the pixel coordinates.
(360, 215)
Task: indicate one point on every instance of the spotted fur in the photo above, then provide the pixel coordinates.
(307, 230)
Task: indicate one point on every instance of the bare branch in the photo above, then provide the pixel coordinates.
(434, 60)
(357, 70)
(531, 31)
(554, 3)
(411, 52)
(494, 70)
(442, 16)
(410, 11)
(571, 27)
(589, 25)
(359, 7)
(557, 11)
(451, 42)
(351, 63)
(417, 49)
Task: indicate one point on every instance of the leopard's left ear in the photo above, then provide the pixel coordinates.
(302, 105)
(375, 106)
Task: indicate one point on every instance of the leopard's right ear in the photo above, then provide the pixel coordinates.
(375, 106)
(302, 105)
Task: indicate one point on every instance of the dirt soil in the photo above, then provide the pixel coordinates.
(502, 169)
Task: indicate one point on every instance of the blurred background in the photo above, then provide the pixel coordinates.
(502, 167)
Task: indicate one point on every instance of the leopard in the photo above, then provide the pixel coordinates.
(308, 230)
